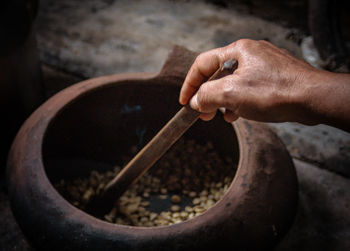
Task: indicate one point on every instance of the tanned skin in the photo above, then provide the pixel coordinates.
(269, 85)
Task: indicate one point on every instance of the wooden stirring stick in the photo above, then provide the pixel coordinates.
(164, 139)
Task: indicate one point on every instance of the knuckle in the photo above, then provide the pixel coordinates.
(226, 96)
(244, 43)
(200, 57)
(285, 51)
(230, 116)
(228, 91)
(220, 53)
(204, 56)
(264, 42)
(199, 62)
(202, 98)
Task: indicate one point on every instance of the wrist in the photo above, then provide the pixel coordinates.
(325, 96)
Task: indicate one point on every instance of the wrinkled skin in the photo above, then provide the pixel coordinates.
(269, 85)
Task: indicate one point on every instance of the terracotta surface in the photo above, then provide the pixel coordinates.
(84, 121)
(117, 37)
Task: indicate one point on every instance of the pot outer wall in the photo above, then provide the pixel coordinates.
(254, 214)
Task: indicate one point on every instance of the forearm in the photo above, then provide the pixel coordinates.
(269, 85)
(327, 99)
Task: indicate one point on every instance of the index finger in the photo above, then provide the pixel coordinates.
(203, 67)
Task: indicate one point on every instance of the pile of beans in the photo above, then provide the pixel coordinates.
(189, 178)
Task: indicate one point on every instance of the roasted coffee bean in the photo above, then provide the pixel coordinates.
(188, 170)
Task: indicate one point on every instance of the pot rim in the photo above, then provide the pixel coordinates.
(52, 108)
(27, 151)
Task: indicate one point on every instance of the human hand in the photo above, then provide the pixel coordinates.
(268, 85)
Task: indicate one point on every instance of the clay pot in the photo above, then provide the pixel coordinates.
(97, 120)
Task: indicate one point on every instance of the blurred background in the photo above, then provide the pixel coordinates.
(48, 45)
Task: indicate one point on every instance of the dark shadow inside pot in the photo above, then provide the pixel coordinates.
(98, 128)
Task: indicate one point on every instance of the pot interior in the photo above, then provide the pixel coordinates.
(98, 128)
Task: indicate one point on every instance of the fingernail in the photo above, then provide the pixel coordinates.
(194, 102)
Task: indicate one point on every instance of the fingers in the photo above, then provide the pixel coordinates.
(207, 97)
(214, 94)
(230, 116)
(204, 66)
(208, 116)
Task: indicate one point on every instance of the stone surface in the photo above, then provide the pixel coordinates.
(102, 37)
(323, 145)
(105, 37)
(323, 218)
(55, 81)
